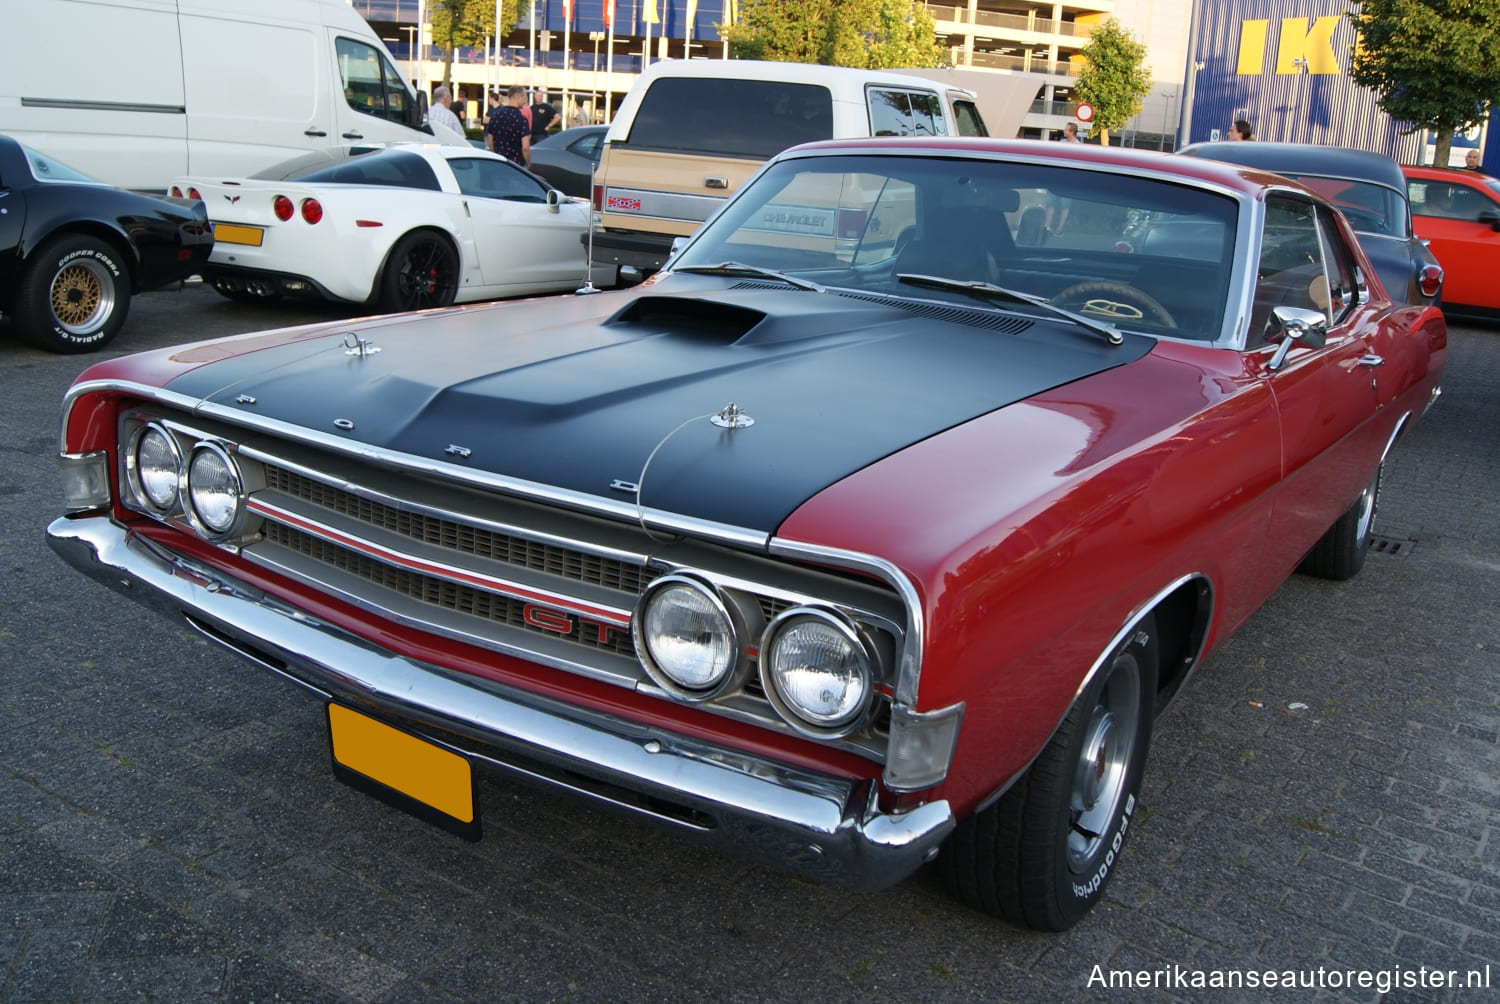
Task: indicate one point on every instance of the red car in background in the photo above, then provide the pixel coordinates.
(1458, 212)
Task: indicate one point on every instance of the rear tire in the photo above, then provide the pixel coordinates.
(420, 272)
(1340, 554)
(1043, 854)
(74, 295)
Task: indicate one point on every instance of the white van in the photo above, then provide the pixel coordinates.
(137, 92)
(690, 132)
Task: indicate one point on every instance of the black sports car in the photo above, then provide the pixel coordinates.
(73, 250)
(567, 159)
(1369, 189)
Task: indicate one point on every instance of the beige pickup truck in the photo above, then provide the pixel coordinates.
(691, 132)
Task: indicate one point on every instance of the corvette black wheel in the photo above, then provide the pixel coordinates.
(421, 272)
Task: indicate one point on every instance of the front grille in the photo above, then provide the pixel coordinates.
(438, 592)
(573, 565)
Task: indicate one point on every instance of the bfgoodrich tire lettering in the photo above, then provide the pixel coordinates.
(1042, 856)
(73, 295)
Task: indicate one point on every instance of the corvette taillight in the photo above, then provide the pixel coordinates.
(282, 207)
(175, 192)
(312, 210)
(193, 194)
(1430, 279)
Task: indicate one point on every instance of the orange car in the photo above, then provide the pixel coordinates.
(1458, 212)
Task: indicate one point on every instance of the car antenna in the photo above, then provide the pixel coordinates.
(588, 252)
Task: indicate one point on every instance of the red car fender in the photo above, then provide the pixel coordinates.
(1035, 532)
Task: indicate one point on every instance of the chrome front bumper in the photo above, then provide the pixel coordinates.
(824, 827)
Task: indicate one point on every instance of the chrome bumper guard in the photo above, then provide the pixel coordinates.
(823, 827)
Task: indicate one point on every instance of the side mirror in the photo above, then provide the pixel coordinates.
(1290, 325)
(1492, 217)
(419, 112)
(554, 200)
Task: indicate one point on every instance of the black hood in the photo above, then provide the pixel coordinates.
(593, 394)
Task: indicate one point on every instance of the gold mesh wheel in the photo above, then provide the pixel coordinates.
(82, 296)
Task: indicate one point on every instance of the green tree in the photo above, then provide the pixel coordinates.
(1434, 64)
(864, 33)
(1114, 78)
(458, 23)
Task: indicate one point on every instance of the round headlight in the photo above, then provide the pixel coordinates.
(816, 671)
(685, 637)
(158, 467)
(214, 488)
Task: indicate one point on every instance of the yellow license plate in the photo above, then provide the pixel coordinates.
(232, 233)
(423, 778)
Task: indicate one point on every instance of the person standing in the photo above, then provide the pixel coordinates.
(489, 120)
(1471, 161)
(508, 133)
(580, 115)
(1070, 133)
(542, 115)
(441, 112)
(1239, 131)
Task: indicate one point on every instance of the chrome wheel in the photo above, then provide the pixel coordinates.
(1103, 769)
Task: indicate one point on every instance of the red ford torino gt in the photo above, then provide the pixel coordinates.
(866, 533)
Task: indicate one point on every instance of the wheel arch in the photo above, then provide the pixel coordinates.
(454, 241)
(1183, 610)
(99, 231)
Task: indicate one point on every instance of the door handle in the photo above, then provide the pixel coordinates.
(1371, 360)
(713, 182)
(351, 134)
(314, 132)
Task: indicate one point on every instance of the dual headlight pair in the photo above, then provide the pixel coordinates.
(206, 486)
(815, 668)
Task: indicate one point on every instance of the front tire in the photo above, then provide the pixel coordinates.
(73, 296)
(1340, 553)
(421, 272)
(1042, 855)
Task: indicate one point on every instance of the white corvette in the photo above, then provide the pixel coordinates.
(398, 227)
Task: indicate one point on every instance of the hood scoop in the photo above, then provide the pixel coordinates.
(753, 318)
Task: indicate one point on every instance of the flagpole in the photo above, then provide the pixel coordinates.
(609, 61)
(567, 57)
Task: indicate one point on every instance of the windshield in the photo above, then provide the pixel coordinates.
(1072, 237)
(45, 168)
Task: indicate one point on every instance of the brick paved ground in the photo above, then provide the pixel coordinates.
(1326, 795)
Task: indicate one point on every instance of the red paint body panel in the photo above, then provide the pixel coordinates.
(1035, 532)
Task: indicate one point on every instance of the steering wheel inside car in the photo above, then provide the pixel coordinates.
(1113, 302)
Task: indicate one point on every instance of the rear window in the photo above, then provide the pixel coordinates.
(753, 119)
(394, 168)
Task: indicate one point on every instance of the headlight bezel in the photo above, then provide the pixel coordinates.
(733, 619)
(190, 503)
(137, 483)
(803, 721)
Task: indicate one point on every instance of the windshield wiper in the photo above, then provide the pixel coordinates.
(740, 268)
(990, 292)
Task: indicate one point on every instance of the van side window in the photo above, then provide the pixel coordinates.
(966, 115)
(754, 119)
(905, 113)
(371, 84)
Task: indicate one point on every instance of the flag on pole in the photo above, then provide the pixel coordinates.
(568, 11)
(609, 15)
(649, 14)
